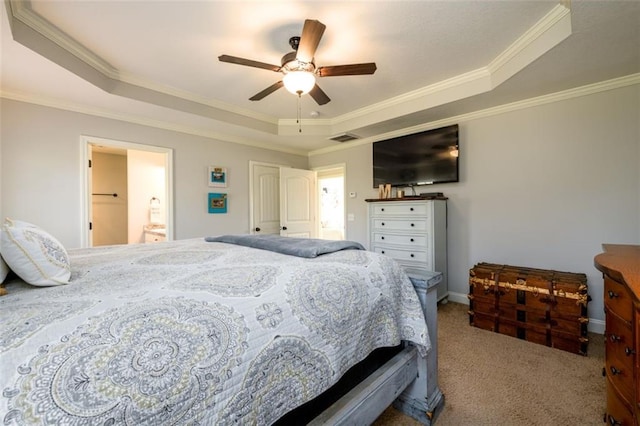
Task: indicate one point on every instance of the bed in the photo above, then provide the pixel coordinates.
(209, 332)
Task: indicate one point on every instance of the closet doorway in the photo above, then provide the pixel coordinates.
(127, 192)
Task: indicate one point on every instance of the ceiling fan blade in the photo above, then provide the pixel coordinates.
(352, 69)
(319, 96)
(248, 62)
(269, 90)
(309, 40)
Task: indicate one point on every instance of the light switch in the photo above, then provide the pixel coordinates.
(351, 217)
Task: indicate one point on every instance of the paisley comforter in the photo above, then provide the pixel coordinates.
(195, 332)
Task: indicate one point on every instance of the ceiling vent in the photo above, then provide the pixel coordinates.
(344, 137)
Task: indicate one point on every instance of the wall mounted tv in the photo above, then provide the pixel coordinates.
(423, 158)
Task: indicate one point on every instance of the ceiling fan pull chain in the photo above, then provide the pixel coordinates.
(299, 113)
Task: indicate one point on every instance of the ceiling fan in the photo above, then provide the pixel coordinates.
(299, 70)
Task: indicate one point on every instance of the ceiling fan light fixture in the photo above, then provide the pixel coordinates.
(299, 82)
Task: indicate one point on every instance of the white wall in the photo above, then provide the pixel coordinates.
(40, 170)
(541, 187)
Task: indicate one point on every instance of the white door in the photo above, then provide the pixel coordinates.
(282, 205)
(265, 199)
(297, 203)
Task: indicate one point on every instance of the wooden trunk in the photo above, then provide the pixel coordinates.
(538, 305)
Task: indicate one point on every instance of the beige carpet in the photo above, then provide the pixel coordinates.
(491, 379)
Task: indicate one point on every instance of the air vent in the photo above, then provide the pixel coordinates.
(344, 137)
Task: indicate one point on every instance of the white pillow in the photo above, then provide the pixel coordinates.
(4, 270)
(33, 254)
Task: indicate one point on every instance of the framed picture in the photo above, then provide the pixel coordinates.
(218, 176)
(217, 202)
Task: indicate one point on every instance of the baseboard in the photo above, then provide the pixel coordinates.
(594, 326)
(458, 298)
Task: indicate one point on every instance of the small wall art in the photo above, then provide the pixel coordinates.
(217, 202)
(218, 176)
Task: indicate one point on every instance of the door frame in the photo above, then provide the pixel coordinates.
(86, 184)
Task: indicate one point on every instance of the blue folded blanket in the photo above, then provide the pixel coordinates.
(301, 247)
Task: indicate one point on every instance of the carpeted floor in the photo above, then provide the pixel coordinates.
(492, 379)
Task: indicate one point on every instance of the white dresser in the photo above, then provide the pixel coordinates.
(414, 232)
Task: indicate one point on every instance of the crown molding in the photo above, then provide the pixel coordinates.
(213, 103)
(440, 87)
(586, 90)
(143, 121)
(557, 20)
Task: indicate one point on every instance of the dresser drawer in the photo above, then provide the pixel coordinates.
(401, 209)
(621, 376)
(410, 265)
(405, 255)
(153, 238)
(618, 411)
(617, 299)
(413, 241)
(619, 343)
(417, 225)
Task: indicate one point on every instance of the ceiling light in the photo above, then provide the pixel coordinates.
(299, 82)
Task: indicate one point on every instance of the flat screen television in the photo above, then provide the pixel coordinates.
(423, 158)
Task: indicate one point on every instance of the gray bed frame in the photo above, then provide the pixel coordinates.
(408, 381)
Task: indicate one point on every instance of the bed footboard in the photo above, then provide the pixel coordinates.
(408, 380)
(422, 399)
(365, 402)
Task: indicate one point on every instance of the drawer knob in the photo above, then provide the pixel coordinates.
(614, 338)
(382, 224)
(412, 255)
(382, 209)
(613, 421)
(411, 209)
(612, 295)
(628, 351)
(412, 224)
(411, 240)
(382, 238)
(382, 252)
(615, 371)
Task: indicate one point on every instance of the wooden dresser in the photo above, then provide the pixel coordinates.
(620, 265)
(413, 231)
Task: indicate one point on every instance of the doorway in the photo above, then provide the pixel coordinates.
(331, 202)
(127, 192)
